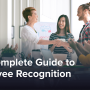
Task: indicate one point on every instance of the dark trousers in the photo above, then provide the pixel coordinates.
(78, 62)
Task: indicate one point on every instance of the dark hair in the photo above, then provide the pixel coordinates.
(67, 27)
(86, 6)
(27, 12)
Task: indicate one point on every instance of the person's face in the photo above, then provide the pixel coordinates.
(80, 13)
(62, 23)
(34, 17)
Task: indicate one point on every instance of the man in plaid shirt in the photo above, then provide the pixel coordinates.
(84, 14)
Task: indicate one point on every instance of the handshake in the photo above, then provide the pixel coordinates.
(59, 43)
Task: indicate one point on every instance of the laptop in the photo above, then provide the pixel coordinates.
(47, 54)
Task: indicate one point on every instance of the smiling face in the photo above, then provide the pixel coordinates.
(34, 17)
(62, 23)
(80, 13)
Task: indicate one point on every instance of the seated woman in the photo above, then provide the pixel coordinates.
(82, 53)
(29, 36)
(63, 33)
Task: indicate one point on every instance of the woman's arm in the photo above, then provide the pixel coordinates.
(69, 49)
(52, 48)
(61, 43)
(46, 42)
(65, 44)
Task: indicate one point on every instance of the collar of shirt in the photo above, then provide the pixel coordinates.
(87, 23)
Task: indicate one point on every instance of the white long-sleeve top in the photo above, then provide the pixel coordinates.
(29, 40)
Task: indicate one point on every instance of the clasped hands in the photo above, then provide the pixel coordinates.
(58, 43)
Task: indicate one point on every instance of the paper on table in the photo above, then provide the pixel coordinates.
(60, 56)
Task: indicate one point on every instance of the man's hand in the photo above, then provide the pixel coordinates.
(88, 41)
(82, 48)
(79, 46)
(72, 43)
(87, 45)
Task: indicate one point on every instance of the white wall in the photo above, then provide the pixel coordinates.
(63, 7)
(20, 5)
(0, 24)
(76, 25)
(5, 23)
(11, 15)
(50, 10)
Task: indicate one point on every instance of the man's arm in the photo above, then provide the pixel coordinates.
(74, 46)
(78, 47)
(77, 52)
(82, 49)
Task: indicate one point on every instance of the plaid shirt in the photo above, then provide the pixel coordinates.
(84, 33)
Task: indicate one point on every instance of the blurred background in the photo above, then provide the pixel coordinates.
(48, 11)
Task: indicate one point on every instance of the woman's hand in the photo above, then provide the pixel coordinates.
(61, 43)
(57, 43)
(69, 49)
